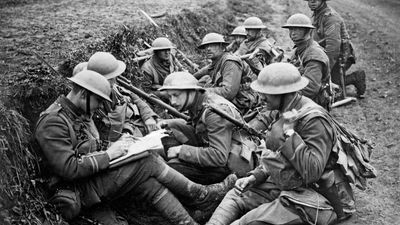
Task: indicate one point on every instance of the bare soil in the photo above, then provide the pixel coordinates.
(57, 28)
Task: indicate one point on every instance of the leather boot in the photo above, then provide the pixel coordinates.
(215, 192)
(182, 186)
(169, 206)
(357, 79)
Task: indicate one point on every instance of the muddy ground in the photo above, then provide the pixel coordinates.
(58, 29)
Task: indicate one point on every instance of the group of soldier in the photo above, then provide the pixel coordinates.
(289, 176)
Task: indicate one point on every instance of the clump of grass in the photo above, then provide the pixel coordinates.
(21, 198)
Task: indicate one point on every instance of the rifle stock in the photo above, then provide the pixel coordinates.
(342, 75)
(240, 124)
(125, 83)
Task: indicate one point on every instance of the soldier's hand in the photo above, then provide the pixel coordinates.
(162, 124)
(117, 149)
(173, 152)
(243, 184)
(151, 124)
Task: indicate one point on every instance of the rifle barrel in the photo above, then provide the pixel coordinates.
(152, 99)
(241, 125)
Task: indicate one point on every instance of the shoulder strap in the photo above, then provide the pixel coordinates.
(70, 128)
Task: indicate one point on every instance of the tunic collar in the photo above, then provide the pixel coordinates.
(71, 109)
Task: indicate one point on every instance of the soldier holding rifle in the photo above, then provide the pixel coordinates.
(331, 33)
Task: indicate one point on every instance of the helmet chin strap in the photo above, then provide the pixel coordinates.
(186, 105)
(88, 102)
(282, 102)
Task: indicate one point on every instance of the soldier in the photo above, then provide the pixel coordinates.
(311, 60)
(159, 65)
(255, 41)
(127, 113)
(298, 168)
(79, 67)
(331, 33)
(239, 35)
(227, 75)
(208, 148)
(79, 165)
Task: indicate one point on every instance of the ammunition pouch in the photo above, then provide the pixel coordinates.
(242, 157)
(338, 191)
(67, 202)
(311, 206)
(281, 171)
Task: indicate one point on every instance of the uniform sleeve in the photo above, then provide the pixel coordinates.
(54, 138)
(219, 132)
(202, 72)
(313, 71)
(260, 173)
(230, 85)
(333, 39)
(145, 110)
(308, 149)
(266, 48)
(243, 49)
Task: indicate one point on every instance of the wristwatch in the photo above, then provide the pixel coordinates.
(288, 133)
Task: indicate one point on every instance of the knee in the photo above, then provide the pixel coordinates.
(233, 199)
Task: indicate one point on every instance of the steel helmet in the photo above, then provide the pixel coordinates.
(78, 68)
(212, 38)
(161, 43)
(253, 23)
(279, 78)
(180, 81)
(93, 82)
(106, 64)
(299, 20)
(239, 31)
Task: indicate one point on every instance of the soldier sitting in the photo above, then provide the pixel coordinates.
(208, 147)
(298, 181)
(256, 41)
(78, 164)
(311, 60)
(127, 113)
(159, 65)
(227, 75)
(239, 35)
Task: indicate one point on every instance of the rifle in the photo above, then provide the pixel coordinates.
(140, 58)
(46, 63)
(193, 65)
(240, 124)
(250, 55)
(342, 70)
(125, 83)
(275, 52)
